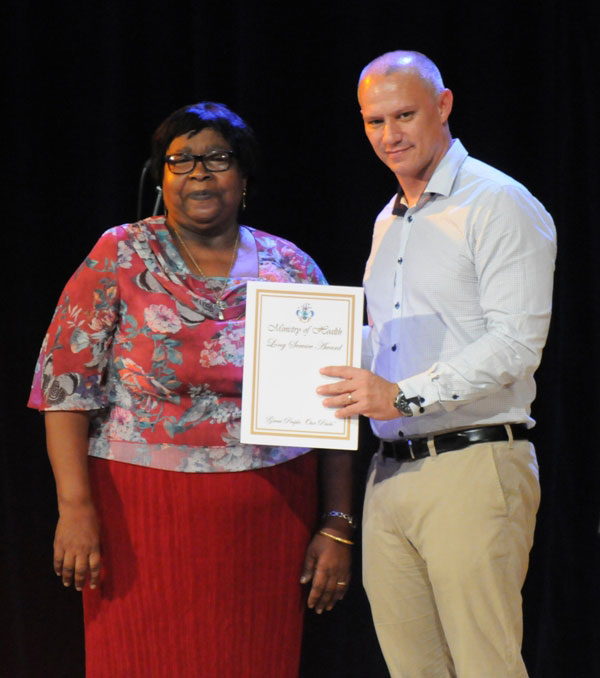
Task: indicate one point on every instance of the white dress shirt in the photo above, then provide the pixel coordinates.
(459, 293)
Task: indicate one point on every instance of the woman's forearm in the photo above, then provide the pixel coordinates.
(77, 557)
(336, 478)
(67, 443)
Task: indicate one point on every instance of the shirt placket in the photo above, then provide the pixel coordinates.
(406, 226)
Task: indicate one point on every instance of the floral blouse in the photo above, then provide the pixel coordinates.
(136, 339)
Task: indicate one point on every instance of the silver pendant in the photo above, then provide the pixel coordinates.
(221, 305)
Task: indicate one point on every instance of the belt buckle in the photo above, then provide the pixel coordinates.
(410, 449)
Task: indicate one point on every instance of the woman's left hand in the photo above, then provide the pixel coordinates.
(327, 563)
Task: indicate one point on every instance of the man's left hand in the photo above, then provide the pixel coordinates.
(360, 392)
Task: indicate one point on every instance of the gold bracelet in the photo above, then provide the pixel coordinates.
(340, 539)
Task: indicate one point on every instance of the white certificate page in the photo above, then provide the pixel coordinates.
(292, 331)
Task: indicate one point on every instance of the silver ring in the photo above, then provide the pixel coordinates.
(342, 583)
(350, 397)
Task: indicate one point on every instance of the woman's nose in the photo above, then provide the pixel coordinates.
(199, 172)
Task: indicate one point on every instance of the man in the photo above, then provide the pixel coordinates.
(459, 287)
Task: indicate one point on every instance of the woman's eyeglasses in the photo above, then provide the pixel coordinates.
(215, 161)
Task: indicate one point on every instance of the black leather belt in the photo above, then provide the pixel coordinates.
(417, 448)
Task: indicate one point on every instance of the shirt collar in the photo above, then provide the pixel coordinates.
(442, 179)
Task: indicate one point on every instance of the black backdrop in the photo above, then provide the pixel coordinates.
(85, 86)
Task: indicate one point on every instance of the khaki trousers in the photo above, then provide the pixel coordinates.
(446, 544)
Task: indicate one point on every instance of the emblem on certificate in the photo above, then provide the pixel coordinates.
(305, 313)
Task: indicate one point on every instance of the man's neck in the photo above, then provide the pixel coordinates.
(412, 189)
(414, 186)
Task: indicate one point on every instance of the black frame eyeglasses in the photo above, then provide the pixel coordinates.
(213, 161)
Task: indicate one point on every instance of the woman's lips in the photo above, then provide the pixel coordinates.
(201, 195)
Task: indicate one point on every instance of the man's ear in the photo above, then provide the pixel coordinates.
(445, 101)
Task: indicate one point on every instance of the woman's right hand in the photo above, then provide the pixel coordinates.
(77, 545)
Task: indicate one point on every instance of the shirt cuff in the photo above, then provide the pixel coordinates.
(422, 394)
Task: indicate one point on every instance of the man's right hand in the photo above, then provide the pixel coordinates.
(360, 392)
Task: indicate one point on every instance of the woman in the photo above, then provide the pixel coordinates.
(191, 542)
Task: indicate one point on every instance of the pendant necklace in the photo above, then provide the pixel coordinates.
(219, 303)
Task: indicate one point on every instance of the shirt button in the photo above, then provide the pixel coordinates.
(455, 397)
(410, 220)
(397, 304)
(394, 347)
(400, 260)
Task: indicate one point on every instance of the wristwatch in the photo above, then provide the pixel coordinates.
(402, 404)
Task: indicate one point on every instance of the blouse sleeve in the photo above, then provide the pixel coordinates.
(69, 374)
(314, 273)
(277, 254)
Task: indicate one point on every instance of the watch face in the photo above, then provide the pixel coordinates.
(402, 405)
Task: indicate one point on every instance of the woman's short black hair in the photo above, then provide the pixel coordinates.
(196, 117)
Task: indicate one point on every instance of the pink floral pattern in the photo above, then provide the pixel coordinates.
(161, 318)
(137, 340)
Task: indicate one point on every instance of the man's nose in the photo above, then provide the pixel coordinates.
(391, 132)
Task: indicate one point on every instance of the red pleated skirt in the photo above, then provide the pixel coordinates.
(201, 571)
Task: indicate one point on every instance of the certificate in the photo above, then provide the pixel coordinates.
(292, 330)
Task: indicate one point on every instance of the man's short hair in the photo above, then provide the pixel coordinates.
(407, 61)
